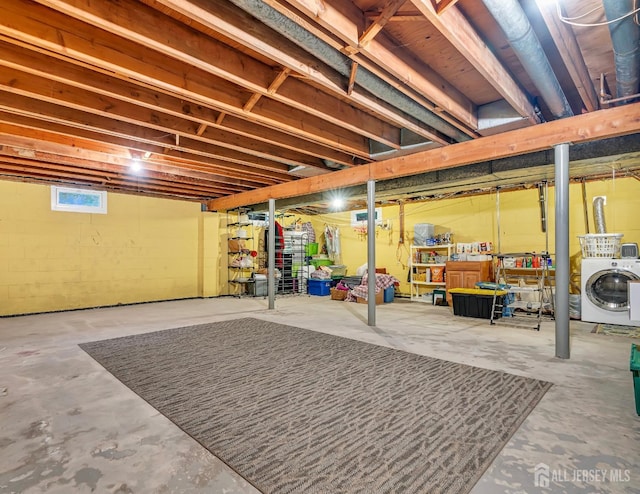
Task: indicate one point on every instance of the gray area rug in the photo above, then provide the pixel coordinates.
(293, 410)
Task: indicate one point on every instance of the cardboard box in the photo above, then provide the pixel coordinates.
(379, 298)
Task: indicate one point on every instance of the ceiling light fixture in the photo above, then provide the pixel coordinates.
(135, 165)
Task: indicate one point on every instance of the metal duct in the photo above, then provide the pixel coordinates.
(515, 24)
(342, 64)
(598, 214)
(625, 36)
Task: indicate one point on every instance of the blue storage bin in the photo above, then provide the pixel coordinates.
(389, 294)
(319, 287)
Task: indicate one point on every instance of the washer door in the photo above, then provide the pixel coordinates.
(607, 289)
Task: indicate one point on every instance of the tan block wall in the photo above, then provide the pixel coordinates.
(143, 249)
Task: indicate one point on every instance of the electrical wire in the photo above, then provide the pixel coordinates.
(569, 20)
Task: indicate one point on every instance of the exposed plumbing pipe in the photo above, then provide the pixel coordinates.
(342, 64)
(585, 210)
(625, 36)
(515, 24)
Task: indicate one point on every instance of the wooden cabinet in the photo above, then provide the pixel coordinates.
(465, 274)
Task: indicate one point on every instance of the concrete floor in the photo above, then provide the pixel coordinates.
(66, 425)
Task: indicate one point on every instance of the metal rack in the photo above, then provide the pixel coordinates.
(290, 260)
(239, 271)
(529, 290)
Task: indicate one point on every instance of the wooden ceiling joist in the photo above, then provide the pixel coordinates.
(263, 40)
(12, 102)
(455, 27)
(41, 89)
(388, 11)
(24, 168)
(27, 61)
(49, 139)
(49, 161)
(126, 59)
(210, 56)
(347, 22)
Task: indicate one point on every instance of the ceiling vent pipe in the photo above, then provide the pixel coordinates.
(625, 36)
(342, 64)
(515, 24)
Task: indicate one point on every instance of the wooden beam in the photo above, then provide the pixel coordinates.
(388, 11)
(570, 53)
(32, 86)
(455, 27)
(260, 38)
(592, 126)
(443, 5)
(201, 128)
(103, 123)
(344, 20)
(34, 168)
(46, 136)
(251, 102)
(352, 77)
(180, 42)
(398, 17)
(279, 80)
(125, 58)
(19, 58)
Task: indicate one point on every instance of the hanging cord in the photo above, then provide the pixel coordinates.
(498, 216)
(570, 20)
(401, 251)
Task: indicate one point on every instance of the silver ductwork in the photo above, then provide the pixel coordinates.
(625, 36)
(598, 214)
(342, 64)
(515, 24)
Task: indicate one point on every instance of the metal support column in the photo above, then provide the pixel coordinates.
(561, 305)
(371, 251)
(271, 260)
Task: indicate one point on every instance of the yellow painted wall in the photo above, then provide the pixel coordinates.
(143, 249)
(148, 249)
(475, 218)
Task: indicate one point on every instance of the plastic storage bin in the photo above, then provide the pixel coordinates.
(258, 288)
(316, 263)
(635, 369)
(422, 232)
(311, 249)
(319, 287)
(389, 294)
(474, 302)
(338, 270)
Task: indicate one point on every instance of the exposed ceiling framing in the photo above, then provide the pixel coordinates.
(229, 102)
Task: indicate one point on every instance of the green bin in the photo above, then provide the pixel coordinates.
(311, 249)
(635, 369)
(316, 263)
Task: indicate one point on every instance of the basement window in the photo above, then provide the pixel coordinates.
(78, 200)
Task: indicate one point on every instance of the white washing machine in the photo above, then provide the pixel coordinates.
(605, 294)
